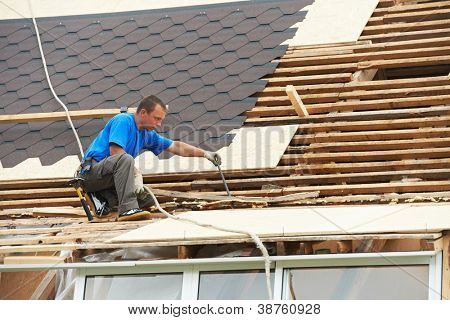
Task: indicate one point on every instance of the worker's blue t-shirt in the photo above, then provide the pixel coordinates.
(122, 130)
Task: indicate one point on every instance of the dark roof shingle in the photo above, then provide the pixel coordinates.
(198, 61)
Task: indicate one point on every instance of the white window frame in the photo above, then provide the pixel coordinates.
(434, 262)
(191, 268)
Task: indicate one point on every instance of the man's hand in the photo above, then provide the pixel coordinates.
(140, 190)
(213, 157)
(186, 150)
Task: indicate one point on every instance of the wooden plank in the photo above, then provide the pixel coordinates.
(309, 79)
(296, 101)
(358, 116)
(370, 135)
(401, 27)
(385, 3)
(356, 94)
(350, 44)
(37, 193)
(428, 174)
(429, 153)
(357, 124)
(32, 183)
(172, 186)
(359, 86)
(374, 188)
(446, 266)
(329, 168)
(373, 121)
(403, 63)
(380, 104)
(52, 239)
(397, 93)
(405, 44)
(302, 53)
(315, 70)
(17, 223)
(375, 145)
(396, 84)
(342, 106)
(407, 35)
(306, 89)
(58, 212)
(33, 260)
(418, 6)
(391, 198)
(31, 203)
(306, 98)
(425, 15)
(386, 54)
(206, 196)
(57, 116)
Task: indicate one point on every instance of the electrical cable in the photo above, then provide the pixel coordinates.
(255, 238)
(44, 62)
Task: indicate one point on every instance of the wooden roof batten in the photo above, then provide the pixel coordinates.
(366, 135)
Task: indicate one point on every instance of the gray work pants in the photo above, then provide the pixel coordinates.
(113, 177)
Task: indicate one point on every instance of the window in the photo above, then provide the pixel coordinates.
(396, 275)
(233, 285)
(134, 287)
(373, 283)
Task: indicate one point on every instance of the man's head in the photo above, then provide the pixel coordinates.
(150, 113)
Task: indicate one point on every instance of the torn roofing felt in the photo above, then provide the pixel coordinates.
(205, 62)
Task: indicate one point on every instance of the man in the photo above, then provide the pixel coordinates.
(108, 165)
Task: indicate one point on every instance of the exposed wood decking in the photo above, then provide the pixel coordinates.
(380, 140)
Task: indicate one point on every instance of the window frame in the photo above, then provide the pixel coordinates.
(191, 268)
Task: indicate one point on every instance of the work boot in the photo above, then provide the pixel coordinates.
(134, 215)
(100, 203)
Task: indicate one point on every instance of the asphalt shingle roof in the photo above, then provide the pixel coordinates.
(203, 63)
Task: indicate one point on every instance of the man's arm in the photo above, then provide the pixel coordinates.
(115, 149)
(185, 150)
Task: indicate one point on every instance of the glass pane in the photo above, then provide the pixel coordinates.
(134, 287)
(234, 285)
(355, 283)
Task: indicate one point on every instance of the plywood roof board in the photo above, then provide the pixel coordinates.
(333, 21)
(251, 148)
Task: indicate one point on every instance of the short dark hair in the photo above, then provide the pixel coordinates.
(149, 103)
